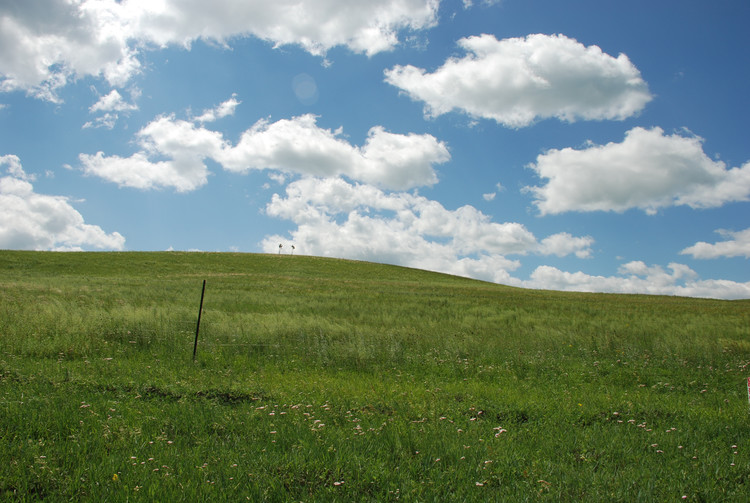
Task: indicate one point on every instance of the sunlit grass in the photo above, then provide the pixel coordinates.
(321, 379)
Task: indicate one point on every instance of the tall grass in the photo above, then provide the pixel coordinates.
(321, 379)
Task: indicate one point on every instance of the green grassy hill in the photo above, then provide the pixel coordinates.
(320, 379)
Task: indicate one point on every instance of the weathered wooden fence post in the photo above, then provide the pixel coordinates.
(198, 325)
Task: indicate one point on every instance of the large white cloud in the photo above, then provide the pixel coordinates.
(336, 218)
(519, 80)
(738, 245)
(46, 43)
(637, 277)
(31, 221)
(297, 145)
(648, 170)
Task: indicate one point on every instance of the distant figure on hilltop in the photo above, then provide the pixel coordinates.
(282, 246)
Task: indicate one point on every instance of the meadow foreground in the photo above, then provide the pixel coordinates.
(320, 379)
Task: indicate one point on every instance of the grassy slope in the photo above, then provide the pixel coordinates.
(321, 379)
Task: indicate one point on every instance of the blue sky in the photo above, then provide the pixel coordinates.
(583, 145)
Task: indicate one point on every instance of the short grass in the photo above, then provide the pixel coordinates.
(320, 379)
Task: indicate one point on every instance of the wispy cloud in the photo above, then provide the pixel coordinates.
(737, 245)
(111, 106)
(224, 109)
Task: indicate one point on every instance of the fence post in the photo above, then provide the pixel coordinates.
(198, 325)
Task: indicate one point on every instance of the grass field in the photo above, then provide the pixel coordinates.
(320, 379)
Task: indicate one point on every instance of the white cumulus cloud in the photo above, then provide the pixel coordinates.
(648, 170)
(517, 81)
(316, 25)
(335, 218)
(638, 278)
(295, 146)
(359, 221)
(737, 245)
(112, 102)
(44, 44)
(31, 221)
(563, 244)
